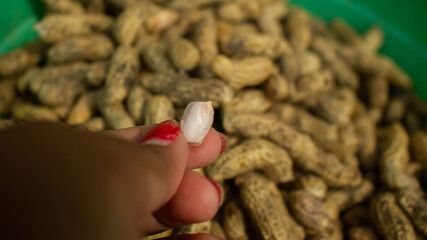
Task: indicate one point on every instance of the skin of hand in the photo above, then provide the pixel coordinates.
(60, 183)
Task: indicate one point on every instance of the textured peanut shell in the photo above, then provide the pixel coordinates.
(309, 211)
(17, 61)
(97, 73)
(124, 67)
(234, 222)
(64, 6)
(365, 128)
(157, 109)
(415, 206)
(277, 86)
(298, 27)
(160, 235)
(95, 124)
(372, 40)
(393, 145)
(240, 11)
(248, 101)
(346, 198)
(269, 21)
(203, 227)
(135, 103)
(58, 27)
(7, 95)
(322, 132)
(83, 110)
(250, 155)
(205, 38)
(301, 148)
(419, 147)
(29, 112)
(390, 220)
(312, 184)
(92, 47)
(128, 23)
(377, 91)
(155, 56)
(216, 230)
(345, 32)
(362, 233)
(115, 114)
(184, 55)
(308, 85)
(264, 204)
(345, 75)
(182, 90)
(242, 73)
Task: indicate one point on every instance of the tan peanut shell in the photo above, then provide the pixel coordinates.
(362, 233)
(415, 206)
(390, 220)
(346, 198)
(29, 112)
(216, 230)
(160, 19)
(64, 6)
(97, 73)
(298, 27)
(184, 54)
(128, 23)
(115, 114)
(203, 227)
(277, 86)
(205, 38)
(345, 32)
(123, 69)
(242, 73)
(345, 76)
(377, 90)
(301, 148)
(250, 155)
(419, 147)
(336, 105)
(95, 124)
(240, 11)
(182, 90)
(58, 27)
(160, 235)
(309, 211)
(83, 110)
(322, 132)
(270, 18)
(365, 128)
(264, 204)
(372, 40)
(18, 61)
(157, 109)
(7, 95)
(248, 101)
(234, 221)
(308, 85)
(154, 55)
(135, 103)
(312, 184)
(92, 47)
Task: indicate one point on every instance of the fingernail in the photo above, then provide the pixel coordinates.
(163, 134)
(218, 189)
(224, 142)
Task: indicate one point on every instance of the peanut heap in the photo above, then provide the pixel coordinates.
(326, 138)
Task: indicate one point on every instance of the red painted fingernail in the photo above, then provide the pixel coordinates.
(163, 134)
(224, 142)
(218, 189)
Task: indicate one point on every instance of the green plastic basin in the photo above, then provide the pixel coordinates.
(404, 23)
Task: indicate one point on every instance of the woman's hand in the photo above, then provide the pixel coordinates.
(57, 182)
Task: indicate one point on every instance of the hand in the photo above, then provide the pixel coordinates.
(57, 182)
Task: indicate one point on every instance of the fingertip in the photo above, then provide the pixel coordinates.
(196, 200)
(207, 152)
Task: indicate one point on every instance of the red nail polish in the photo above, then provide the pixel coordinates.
(224, 142)
(162, 134)
(218, 189)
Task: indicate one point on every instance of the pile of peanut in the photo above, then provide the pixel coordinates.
(326, 138)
